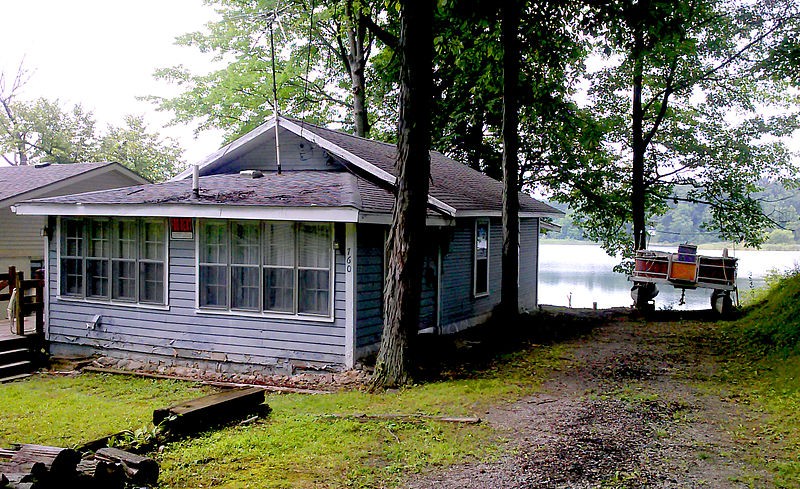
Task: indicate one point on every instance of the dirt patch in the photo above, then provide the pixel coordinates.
(625, 412)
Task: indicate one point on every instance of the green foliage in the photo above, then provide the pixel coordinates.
(703, 124)
(773, 323)
(683, 221)
(143, 438)
(43, 131)
(311, 66)
(144, 152)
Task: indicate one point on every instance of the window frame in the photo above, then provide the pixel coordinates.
(110, 259)
(479, 222)
(262, 267)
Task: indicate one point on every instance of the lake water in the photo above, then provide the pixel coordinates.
(580, 274)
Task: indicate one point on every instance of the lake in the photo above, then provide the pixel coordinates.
(580, 274)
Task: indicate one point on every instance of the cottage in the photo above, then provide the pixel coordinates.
(273, 258)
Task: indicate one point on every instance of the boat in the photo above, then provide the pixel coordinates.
(684, 270)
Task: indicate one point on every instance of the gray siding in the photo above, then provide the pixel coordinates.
(528, 263)
(181, 332)
(458, 301)
(296, 154)
(369, 284)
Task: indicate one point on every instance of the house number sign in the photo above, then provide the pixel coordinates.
(181, 228)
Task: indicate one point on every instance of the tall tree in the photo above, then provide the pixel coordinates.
(43, 130)
(511, 13)
(407, 232)
(681, 102)
(322, 58)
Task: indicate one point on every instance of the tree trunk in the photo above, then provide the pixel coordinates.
(406, 236)
(638, 146)
(356, 33)
(509, 298)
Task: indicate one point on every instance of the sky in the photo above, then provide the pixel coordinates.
(102, 54)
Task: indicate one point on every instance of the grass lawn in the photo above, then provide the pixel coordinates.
(297, 445)
(66, 411)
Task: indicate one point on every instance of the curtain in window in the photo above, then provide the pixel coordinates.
(279, 240)
(245, 265)
(481, 257)
(314, 268)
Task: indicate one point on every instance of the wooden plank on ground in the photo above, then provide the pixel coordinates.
(215, 409)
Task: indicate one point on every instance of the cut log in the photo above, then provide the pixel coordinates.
(407, 417)
(140, 470)
(216, 409)
(58, 461)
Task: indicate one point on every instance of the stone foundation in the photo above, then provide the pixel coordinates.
(286, 374)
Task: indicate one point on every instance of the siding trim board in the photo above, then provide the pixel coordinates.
(351, 266)
(210, 211)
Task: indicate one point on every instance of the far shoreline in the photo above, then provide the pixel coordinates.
(704, 246)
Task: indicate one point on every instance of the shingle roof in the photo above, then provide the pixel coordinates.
(289, 189)
(17, 180)
(452, 182)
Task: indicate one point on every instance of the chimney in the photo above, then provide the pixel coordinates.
(196, 180)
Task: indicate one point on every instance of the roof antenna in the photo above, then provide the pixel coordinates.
(275, 95)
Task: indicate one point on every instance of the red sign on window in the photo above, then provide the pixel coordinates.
(181, 228)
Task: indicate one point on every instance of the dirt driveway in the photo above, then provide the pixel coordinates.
(628, 410)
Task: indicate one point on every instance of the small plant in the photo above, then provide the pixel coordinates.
(141, 439)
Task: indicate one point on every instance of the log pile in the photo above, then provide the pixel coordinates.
(43, 467)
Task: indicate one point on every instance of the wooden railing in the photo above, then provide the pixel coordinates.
(26, 299)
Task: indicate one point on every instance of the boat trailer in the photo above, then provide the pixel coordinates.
(683, 270)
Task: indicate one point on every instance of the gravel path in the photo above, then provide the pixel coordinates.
(624, 412)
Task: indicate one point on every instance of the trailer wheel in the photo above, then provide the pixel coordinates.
(721, 302)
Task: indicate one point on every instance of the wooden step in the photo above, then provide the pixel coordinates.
(13, 356)
(5, 380)
(16, 368)
(14, 343)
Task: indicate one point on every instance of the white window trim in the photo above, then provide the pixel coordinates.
(488, 223)
(227, 311)
(111, 302)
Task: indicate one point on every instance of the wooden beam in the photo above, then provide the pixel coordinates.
(215, 409)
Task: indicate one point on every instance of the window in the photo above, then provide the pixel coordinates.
(279, 267)
(151, 262)
(213, 265)
(113, 259)
(97, 266)
(313, 268)
(481, 265)
(72, 257)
